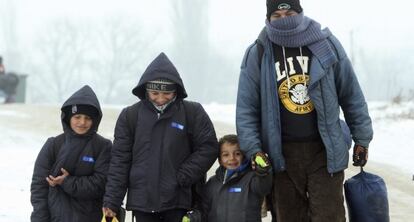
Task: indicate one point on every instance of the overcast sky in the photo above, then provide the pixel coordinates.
(379, 27)
(236, 23)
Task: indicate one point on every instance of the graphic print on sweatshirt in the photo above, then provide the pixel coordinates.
(297, 112)
(293, 84)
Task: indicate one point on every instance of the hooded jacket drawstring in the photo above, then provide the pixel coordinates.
(286, 69)
(302, 63)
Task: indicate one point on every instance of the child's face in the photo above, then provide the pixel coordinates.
(230, 156)
(160, 98)
(80, 123)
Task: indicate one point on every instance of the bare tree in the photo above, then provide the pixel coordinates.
(208, 75)
(9, 35)
(191, 46)
(58, 59)
(385, 68)
(104, 54)
(118, 51)
(384, 73)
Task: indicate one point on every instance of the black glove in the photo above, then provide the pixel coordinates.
(360, 156)
(261, 163)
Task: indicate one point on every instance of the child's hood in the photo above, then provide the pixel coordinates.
(160, 67)
(225, 175)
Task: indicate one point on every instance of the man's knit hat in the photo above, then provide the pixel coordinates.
(161, 85)
(274, 5)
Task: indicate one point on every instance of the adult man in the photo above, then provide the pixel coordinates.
(2, 69)
(8, 84)
(163, 145)
(294, 79)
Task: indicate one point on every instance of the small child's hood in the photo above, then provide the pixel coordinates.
(84, 96)
(226, 175)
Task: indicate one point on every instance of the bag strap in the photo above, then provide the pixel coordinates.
(132, 118)
(260, 45)
(190, 111)
(260, 52)
(56, 147)
(196, 189)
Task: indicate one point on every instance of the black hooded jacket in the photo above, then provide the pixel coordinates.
(159, 163)
(86, 158)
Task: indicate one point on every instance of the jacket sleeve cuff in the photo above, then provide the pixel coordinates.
(111, 206)
(66, 184)
(183, 181)
(364, 143)
(250, 153)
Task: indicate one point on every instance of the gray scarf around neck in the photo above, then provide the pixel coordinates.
(299, 31)
(163, 107)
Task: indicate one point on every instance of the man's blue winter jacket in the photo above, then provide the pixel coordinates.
(333, 85)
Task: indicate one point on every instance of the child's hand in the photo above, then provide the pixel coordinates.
(54, 181)
(108, 212)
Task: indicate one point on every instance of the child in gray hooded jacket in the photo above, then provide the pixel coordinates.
(237, 190)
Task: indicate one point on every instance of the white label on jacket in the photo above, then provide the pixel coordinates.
(88, 159)
(177, 125)
(235, 190)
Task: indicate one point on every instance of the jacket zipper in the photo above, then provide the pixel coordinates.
(160, 162)
(274, 104)
(227, 207)
(327, 131)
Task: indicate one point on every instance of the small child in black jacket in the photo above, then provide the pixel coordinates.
(236, 192)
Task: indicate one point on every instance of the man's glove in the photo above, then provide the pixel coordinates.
(360, 156)
(261, 163)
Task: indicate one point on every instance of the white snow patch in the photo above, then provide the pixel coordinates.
(21, 141)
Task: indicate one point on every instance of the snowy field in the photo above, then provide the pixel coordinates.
(24, 129)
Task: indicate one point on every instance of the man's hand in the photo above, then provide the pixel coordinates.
(108, 212)
(53, 181)
(360, 156)
(260, 163)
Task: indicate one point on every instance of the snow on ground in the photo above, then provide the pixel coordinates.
(393, 135)
(24, 129)
(393, 131)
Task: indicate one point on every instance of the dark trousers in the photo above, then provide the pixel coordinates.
(306, 191)
(175, 215)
